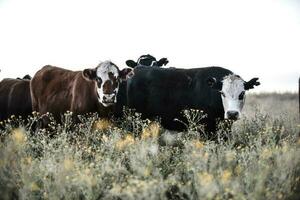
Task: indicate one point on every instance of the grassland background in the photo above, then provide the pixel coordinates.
(139, 160)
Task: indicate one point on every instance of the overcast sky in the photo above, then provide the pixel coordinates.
(254, 38)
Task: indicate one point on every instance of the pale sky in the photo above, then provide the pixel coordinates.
(253, 38)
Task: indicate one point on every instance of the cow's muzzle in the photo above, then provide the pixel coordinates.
(233, 115)
(109, 98)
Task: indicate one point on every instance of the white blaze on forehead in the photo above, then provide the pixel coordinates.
(232, 87)
(152, 63)
(105, 68)
(144, 58)
(141, 58)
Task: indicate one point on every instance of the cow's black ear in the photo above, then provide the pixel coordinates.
(125, 74)
(250, 84)
(131, 63)
(89, 74)
(162, 61)
(213, 83)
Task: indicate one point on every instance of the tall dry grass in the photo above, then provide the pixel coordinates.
(137, 159)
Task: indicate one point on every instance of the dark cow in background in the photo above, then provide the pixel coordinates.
(26, 77)
(147, 60)
(166, 92)
(143, 61)
(15, 97)
(56, 90)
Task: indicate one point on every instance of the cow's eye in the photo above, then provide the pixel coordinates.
(241, 96)
(222, 93)
(99, 81)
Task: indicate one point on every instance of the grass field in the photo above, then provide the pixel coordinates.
(139, 160)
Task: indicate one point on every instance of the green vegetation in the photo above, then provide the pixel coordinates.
(139, 160)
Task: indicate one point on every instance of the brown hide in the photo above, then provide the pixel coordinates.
(14, 98)
(56, 90)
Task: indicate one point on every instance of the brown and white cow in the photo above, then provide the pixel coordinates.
(56, 90)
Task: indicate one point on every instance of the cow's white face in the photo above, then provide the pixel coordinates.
(233, 96)
(107, 83)
(232, 89)
(107, 77)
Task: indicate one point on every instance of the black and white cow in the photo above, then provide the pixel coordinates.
(147, 60)
(143, 61)
(165, 92)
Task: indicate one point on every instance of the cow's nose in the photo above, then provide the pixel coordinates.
(109, 97)
(232, 115)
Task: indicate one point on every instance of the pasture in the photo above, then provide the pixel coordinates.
(137, 159)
